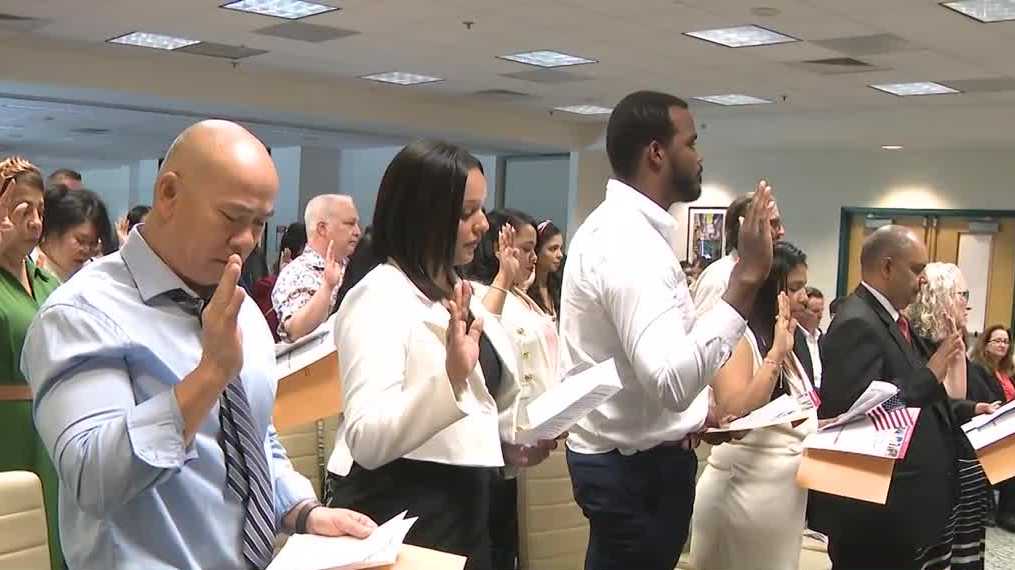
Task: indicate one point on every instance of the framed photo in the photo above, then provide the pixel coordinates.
(706, 233)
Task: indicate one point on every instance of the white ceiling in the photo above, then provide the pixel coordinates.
(639, 44)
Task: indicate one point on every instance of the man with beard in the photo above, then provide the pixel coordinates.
(871, 340)
(624, 297)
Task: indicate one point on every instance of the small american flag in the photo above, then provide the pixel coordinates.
(891, 414)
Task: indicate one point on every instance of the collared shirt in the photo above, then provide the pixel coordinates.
(297, 283)
(102, 358)
(625, 297)
(713, 282)
(892, 311)
(17, 309)
(815, 352)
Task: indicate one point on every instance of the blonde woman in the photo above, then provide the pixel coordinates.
(940, 309)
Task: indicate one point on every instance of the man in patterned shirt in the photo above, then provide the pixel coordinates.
(306, 289)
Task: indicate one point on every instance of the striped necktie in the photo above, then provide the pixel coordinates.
(246, 463)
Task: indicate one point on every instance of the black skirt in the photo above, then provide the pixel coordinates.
(451, 501)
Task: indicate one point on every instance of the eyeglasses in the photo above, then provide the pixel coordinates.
(964, 295)
(998, 341)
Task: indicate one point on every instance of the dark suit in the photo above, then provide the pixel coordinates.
(803, 352)
(864, 344)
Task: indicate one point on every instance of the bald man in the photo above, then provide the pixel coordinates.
(870, 340)
(153, 378)
(306, 289)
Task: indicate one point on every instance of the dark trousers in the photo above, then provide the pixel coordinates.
(638, 506)
(870, 554)
(1006, 498)
(451, 501)
(504, 523)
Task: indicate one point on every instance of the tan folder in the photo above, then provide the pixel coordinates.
(309, 394)
(862, 477)
(415, 558)
(998, 460)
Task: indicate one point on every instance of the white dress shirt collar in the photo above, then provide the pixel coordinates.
(892, 311)
(661, 220)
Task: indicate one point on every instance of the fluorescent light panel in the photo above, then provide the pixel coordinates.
(985, 11)
(154, 41)
(891, 147)
(742, 36)
(288, 9)
(733, 100)
(585, 109)
(402, 78)
(547, 58)
(915, 88)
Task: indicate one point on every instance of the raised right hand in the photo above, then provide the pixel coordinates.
(785, 329)
(755, 237)
(462, 340)
(507, 256)
(945, 355)
(221, 341)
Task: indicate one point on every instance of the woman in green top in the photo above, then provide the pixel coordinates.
(23, 289)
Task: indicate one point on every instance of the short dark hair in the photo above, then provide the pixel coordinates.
(136, 214)
(63, 173)
(814, 293)
(833, 307)
(485, 265)
(419, 205)
(294, 238)
(361, 262)
(735, 211)
(65, 208)
(639, 119)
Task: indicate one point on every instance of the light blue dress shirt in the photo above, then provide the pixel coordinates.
(102, 357)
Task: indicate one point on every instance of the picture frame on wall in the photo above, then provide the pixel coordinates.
(706, 233)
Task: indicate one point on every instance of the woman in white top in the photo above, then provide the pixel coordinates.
(503, 264)
(426, 371)
(748, 510)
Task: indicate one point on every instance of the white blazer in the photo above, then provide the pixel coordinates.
(398, 401)
(534, 336)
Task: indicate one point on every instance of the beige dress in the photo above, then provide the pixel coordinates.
(748, 510)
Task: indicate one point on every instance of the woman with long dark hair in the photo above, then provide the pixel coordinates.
(429, 377)
(549, 274)
(749, 511)
(74, 230)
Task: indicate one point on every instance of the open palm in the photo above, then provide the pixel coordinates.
(462, 339)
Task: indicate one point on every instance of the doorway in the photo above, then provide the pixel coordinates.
(980, 242)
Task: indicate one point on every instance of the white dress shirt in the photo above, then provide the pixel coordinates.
(398, 400)
(815, 352)
(625, 297)
(892, 311)
(713, 282)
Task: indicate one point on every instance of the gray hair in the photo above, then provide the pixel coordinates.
(321, 207)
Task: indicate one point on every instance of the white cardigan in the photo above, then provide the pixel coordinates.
(398, 401)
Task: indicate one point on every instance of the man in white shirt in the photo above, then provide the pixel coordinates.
(624, 297)
(708, 289)
(809, 320)
(307, 288)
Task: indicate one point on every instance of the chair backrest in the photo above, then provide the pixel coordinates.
(553, 533)
(300, 443)
(25, 543)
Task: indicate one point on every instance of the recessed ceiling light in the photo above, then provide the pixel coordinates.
(154, 41)
(915, 88)
(585, 109)
(891, 147)
(733, 100)
(742, 36)
(985, 11)
(288, 9)
(402, 78)
(547, 58)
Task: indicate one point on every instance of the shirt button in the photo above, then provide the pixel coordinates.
(520, 331)
(526, 355)
(528, 377)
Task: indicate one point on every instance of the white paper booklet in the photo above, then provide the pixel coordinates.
(312, 552)
(875, 395)
(782, 410)
(986, 429)
(291, 357)
(861, 436)
(559, 408)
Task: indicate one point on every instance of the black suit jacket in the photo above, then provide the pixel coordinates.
(863, 344)
(803, 353)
